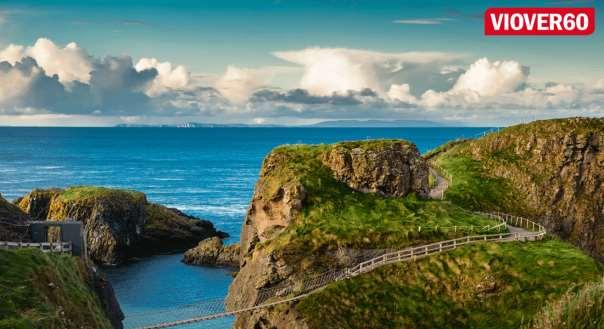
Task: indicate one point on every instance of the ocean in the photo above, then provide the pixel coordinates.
(205, 172)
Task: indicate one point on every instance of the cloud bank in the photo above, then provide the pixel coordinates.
(46, 82)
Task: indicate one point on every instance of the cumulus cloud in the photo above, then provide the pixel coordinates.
(70, 63)
(490, 79)
(169, 77)
(401, 93)
(49, 82)
(237, 84)
(483, 80)
(338, 70)
(46, 78)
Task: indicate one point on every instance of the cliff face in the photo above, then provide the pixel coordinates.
(118, 223)
(291, 180)
(9, 216)
(556, 169)
(390, 169)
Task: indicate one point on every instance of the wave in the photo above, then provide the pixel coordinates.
(167, 179)
(235, 209)
(48, 167)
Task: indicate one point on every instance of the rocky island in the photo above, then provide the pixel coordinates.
(119, 224)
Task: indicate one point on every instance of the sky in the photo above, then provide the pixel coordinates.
(287, 62)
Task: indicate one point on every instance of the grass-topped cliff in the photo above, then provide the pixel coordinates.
(48, 291)
(119, 223)
(550, 170)
(333, 214)
(313, 204)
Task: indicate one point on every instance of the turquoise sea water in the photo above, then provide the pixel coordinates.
(206, 172)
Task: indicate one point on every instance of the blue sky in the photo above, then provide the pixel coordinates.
(208, 36)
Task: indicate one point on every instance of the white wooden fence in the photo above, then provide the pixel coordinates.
(529, 231)
(44, 246)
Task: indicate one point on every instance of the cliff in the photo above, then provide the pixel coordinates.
(118, 224)
(10, 217)
(550, 170)
(312, 204)
(53, 291)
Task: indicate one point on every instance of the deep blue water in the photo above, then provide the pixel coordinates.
(206, 172)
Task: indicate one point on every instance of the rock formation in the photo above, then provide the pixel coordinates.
(119, 224)
(387, 168)
(10, 217)
(212, 252)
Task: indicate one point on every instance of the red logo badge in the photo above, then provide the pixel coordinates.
(539, 21)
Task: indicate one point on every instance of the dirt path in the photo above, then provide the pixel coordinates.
(438, 191)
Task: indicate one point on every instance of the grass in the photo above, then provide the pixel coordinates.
(473, 187)
(46, 291)
(77, 193)
(334, 215)
(481, 286)
(515, 154)
(583, 309)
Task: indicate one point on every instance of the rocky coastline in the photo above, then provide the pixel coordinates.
(212, 252)
(119, 224)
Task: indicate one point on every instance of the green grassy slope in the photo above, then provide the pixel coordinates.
(583, 309)
(502, 170)
(481, 286)
(40, 290)
(335, 215)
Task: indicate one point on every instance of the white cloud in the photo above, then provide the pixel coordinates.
(401, 93)
(46, 84)
(237, 84)
(168, 78)
(14, 83)
(338, 70)
(481, 83)
(70, 63)
(490, 79)
(599, 85)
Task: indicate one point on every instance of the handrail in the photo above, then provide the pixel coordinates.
(437, 247)
(59, 247)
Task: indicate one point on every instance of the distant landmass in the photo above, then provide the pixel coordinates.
(381, 123)
(195, 125)
(322, 124)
